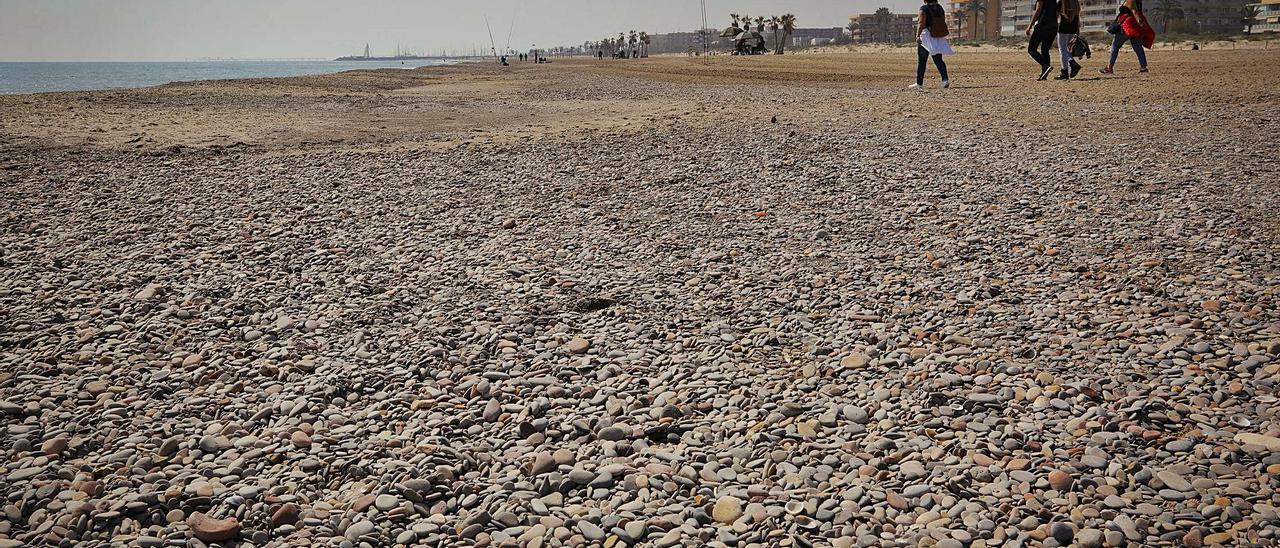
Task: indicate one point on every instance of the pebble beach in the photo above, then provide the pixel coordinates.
(665, 302)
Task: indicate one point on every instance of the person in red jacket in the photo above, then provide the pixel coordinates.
(1135, 29)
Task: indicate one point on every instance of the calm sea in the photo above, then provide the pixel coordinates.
(74, 76)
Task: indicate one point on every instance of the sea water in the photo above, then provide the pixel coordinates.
(38, 77)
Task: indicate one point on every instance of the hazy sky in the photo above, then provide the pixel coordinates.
(95, 30)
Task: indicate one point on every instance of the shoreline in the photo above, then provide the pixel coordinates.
(186, 68)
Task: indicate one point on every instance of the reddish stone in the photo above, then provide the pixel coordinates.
(213, 530)
(286, 514)
(363, 503)
(1059, 480)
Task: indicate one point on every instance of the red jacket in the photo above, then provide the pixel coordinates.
(1134, 29)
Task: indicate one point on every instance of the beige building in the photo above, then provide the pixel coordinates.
(968, 25)
(1198, 16)
(1094, 15)
(1268, 19)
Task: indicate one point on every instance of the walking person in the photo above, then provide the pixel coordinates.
(932, 32)
(1068, 28)
(1043, 31)
(1131, 26)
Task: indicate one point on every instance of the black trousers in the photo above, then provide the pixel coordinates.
(923, 59)
(1040, 44)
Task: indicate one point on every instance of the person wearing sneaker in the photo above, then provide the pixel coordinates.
(932, 32)
(1131, 26)
(1043, 30)
(1068, 28)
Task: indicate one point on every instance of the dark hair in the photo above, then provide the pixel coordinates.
(931, 1)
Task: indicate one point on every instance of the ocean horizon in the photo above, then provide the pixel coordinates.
(23, 77)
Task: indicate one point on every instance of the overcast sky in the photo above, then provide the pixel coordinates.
(129, 30)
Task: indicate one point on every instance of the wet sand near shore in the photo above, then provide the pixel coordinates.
(732, 302)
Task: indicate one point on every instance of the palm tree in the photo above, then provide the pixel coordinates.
(788, 22)
(736, 18)
(773, 28)
(976, 8)
(884, 23)
(960, 17)
(1250, 14)
(760, 24)
(644, 44)
(1167, 10)
(853, 29)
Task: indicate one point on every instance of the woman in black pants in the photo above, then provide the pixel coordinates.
(932, 33)
(1043, 31)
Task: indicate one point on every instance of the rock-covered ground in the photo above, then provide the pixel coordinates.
(982, 318)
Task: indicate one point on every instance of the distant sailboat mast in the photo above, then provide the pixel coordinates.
(492, 45)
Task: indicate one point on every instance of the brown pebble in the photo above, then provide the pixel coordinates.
(213, 530)
(286, 514)
(300, 439)
(54, 446)
(1193, 539)
(1059, 480)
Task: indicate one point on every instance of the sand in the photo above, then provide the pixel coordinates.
(472, 103)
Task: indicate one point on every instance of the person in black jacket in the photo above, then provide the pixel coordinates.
(1068, 28)
(1043, 30)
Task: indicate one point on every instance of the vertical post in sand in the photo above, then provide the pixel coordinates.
(706, 40)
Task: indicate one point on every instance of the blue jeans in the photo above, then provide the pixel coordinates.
(1137, 48)
(1064, 49)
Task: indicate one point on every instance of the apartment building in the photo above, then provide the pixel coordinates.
(897, 28)
(1094, 15)
(813, 36)
(1210, 16)
(966, 25)
(1268, 16)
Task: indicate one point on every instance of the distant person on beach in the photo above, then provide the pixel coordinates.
(1043, 31)
(1131, 25)
(932, 32)
(1068, 28)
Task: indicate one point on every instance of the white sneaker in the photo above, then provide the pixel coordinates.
(946, 84)
(915, 87)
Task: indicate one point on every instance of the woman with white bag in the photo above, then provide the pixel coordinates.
(932, 30)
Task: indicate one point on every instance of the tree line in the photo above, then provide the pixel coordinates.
(631, 44)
